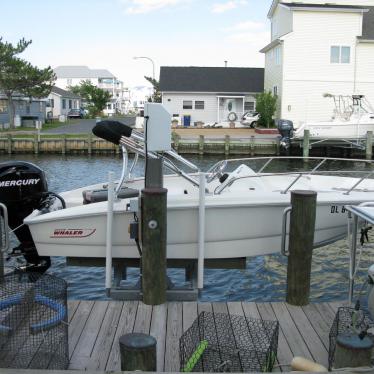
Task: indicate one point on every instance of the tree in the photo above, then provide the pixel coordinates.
(266, 105)
(156, 97)
(18, 76)
(95, 97)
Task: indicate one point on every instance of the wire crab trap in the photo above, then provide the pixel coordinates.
(348, 320)
(33, 322)
(228, 343)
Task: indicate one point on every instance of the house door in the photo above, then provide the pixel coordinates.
(230, 106)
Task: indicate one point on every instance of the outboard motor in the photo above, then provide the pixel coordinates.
(285, 128)
(23, 188)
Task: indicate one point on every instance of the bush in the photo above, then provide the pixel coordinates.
(266, 105)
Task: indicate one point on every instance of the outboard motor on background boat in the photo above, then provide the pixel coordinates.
(23, 188)
(285, 128)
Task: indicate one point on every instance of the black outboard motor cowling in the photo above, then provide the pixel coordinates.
(23, 188)
(285, 128)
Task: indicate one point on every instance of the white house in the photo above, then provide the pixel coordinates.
(319, 47)
(102, 78)
(61, 101)
(210, 94)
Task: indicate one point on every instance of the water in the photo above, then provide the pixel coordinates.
(264, 278)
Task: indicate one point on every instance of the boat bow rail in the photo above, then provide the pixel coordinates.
(298, 174)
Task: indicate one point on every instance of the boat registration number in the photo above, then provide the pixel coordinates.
(339, 209)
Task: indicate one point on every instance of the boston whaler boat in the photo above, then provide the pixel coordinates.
(353, 118)
(245, 201)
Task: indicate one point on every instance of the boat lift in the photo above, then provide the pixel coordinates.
(363, 212)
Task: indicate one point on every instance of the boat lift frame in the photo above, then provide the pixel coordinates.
(358, 212)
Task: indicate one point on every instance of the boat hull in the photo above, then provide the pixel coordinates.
(232, 231)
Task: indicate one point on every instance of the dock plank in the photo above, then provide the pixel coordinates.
(125, 326)
(189, 314)
(319, 324)
(291, 333)
(251, 310)
(78, 323)
(204, 307)
(173, 334)
(72, 308)
(313, 341)
(158, 331)
(87, 340)
(105, 338)
(284, 354)
(143, 318)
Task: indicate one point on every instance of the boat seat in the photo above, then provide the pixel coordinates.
(96, 196)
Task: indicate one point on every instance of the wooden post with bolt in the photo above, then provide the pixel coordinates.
(153, 228)
(301, 239)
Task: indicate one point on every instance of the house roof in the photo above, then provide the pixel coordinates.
(59, 91)
(81, 72)
(211, 79)
(368, 24)
(324, 6)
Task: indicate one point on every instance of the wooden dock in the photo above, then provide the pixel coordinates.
(95, 327)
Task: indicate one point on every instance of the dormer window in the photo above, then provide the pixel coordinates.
(340, 54)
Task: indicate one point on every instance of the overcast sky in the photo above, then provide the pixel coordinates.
(107, 34)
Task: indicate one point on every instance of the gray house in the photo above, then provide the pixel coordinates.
(27, 111)
(210, 94)
(62, 101)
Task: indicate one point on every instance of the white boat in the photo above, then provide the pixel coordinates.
(353, 118)
(245, 201)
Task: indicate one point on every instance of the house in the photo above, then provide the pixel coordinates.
(319, 47)
(27, 111)
(61, 101)
(210, 94)
(73, 75)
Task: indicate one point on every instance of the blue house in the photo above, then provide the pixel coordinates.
(27, 111)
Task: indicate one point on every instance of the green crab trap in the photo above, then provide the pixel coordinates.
(228, 343)
(347, 320)
(33, 322)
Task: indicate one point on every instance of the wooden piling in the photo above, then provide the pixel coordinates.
(9, 144)
(1, 253)
(252, 146)
(369, 145)
(227, 145)
(153, 223)
(138, 352)
(63, 146)
(306, 143)
(201, 144)
(301, 239)
(36, 144)
(89, 144)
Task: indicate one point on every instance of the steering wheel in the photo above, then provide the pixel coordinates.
(216, 171)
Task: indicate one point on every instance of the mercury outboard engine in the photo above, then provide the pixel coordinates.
(23, 188)
(285, 128)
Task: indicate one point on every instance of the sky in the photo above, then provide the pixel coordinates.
(107, 34)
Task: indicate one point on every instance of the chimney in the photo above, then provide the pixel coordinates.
(225, 64)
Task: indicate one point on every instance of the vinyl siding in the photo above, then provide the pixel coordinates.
(173, 103)
(281, 22)
(274, 76)
(307, 71)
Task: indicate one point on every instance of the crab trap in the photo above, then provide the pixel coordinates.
(228, 343)
(348, 320)
(33, 322)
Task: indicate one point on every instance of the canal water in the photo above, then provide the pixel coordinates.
(264, 278)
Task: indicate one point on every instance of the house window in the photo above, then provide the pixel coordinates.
(52, 103)
(41, 107)
(187, 104)
(3, 106)
(249, 106)
(63, 103)
(340, 55)
(70, 104)
(277, 55)
(199, 104)
(275, 90)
